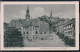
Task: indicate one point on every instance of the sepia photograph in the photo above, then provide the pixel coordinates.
(40, 26)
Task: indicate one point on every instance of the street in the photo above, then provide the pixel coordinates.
(56, 42)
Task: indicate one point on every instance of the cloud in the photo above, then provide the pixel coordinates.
(35, 13)
(16, 12)
(18, 15)
(22, 14)
(38, 12)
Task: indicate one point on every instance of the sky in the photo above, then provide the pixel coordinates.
(38, 10)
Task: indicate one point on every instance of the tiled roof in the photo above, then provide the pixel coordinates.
(11, 23)
(24, 22)
(69, 22)
(44, 27)
(35, 22)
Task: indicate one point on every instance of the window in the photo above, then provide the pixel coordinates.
(36, 32)
(27, 32)
(33, 27)
(44, 32)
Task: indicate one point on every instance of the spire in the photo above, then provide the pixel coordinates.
(27, 9)
(27, 13)
(51, 14)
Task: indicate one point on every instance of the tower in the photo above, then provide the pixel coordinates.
(51, 14)
(27, 13)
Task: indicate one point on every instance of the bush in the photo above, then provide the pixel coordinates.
(66, 39)
(13, 38)
(69, 41)
(60, 35)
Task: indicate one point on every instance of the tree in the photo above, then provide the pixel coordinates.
(13, 38)
(5, 25)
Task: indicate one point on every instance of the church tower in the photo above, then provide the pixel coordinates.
(27, 13)
(51, 14)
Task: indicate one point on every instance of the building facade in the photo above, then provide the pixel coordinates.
(69, 29)
(59, 26)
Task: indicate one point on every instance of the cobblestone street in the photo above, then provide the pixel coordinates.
(56, 42)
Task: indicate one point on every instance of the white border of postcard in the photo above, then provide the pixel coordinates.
(41, 48)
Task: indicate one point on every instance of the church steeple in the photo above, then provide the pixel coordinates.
(51, 14)
(27, 13)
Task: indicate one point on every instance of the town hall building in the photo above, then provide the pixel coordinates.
(31, 29)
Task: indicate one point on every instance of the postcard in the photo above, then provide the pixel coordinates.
(40, 25)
